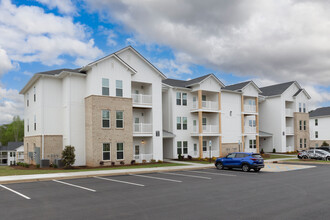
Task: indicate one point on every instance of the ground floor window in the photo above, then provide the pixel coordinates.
(305, 143)
(204, 145)
(300, 143)
(179, 147)
(137, 150)
(253, 143)
(316, 145)
(185, 147)
(106, 151)
(120, 151)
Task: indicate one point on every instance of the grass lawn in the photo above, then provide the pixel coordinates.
(276, 157)
(198, 161)
(9, 171)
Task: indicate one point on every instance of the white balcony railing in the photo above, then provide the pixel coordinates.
(20, 157)
(142, 128)
(140, 157)
(207, 105)
(250, 108)
(141, 99)
(207, 129)
(250, 130)
(289, 130)
(289, 112)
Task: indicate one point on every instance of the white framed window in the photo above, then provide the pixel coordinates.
(184, 123)
(316, 122)
(253, 144)
(252, 123)
(300, 107)
(316, 134)
(300, 125)
(35, 123)
(34, 94)
(304, 125)
(300, 142)
(27, 99)
(304, 107)
(252, 102)
(137, 150)
(105, 119)
(178, 123)
(204, 146)
(178, 98)
(179, 147)
(106, 154)
(195, 147)
(120, 151)
(105, 86)
(119, 119)
(305, 143)
(27, 125)
(204, 121)
(184, 98)
(119, 88)
(185, 147)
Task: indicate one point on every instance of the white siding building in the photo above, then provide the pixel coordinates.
(319, 124)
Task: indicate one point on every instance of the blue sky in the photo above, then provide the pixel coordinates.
(266, 41)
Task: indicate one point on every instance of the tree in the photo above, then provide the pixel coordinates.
(325, 143)
(12, 132)
(68, 156)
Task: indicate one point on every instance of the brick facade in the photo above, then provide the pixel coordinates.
(229, 148)
(301, 134)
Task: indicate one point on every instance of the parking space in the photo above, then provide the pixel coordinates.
(190, 194)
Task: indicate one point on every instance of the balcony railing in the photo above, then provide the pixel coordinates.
(207, 105)
(289, 112)
(140, 157)
(20, 157)
(250, 108)
(207, 129)
(250, 130)
(142, 128)
(141, 99)
(289, 130)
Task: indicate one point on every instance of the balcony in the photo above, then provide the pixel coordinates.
(207, 105)
(207, 129)
(289, 131)
(20, 157)
(139, 158)
(141, 128)
(250, 130)
(250, 108)
(288, 112)
(141, 100)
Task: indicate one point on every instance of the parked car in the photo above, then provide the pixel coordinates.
(243, 160)
(317, 154)
(326, 148)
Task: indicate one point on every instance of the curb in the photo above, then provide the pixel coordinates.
(303, 162)
(77, 175)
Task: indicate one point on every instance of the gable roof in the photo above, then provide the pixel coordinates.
(12, 146)
(58, 71)
(241, 86)
(324, 111)
(277, 89)
(189, 83)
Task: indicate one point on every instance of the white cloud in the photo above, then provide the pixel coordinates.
(63, 6)
(110, 34)
(11, 104)
(5, 63)
(278, 39)
(28, 34)
(172, 68)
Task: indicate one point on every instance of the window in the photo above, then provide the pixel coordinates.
(316, 145)
(184, 98)
(178, 98)
(105, 86)
(204, 121)
(184, 123)
(179, 147)
(105, 119)
(204, 98)
(305, 143)
(252, 143)
(185, 147)
(137, 150)
(304, 105)
(27, 100)
(252, 102)
(35, 122)
(300, 125)
(304, 125)
(106, 151)
(195, 147)
(34, 94)
(178, 123)
(119, 119)
(252, 123)
(120, 151)
(316, 134)
(119, 88)
(316, 122)
(28, 125)
(231, 113)
(204, 145)
(299, 107)
(301, 142)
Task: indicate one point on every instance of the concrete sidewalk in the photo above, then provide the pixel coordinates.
(85, 174)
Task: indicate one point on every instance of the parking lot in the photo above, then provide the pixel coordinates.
(195, 194)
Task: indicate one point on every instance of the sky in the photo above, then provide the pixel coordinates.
(269, 42)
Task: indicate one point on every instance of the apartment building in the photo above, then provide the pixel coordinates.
(12, 153)
(209, 119)
(110, 110)
(284, 119)
(319, 123)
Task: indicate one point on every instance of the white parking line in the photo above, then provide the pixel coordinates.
(119, 181)
(157, 178)
(220, 174)
(178, 174)
(69, 184)
(20, 194)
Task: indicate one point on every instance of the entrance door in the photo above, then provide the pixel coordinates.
(137, 152)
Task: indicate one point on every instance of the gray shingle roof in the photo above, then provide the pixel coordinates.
(275, 89)
(186, 83)
(58, 71)
(237, 86)
(325, 111)
(11, 146)
(297, 93)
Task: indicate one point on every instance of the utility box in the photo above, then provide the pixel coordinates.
(59, 163)
(44, 163)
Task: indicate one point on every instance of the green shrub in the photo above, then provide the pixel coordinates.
(122, 162)
(144, 161)
(325, 143)
(54, 166)
(274, 150)
(68, 156)
(38, 166)
(262, 151)
(153, 161)
(159, 161)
